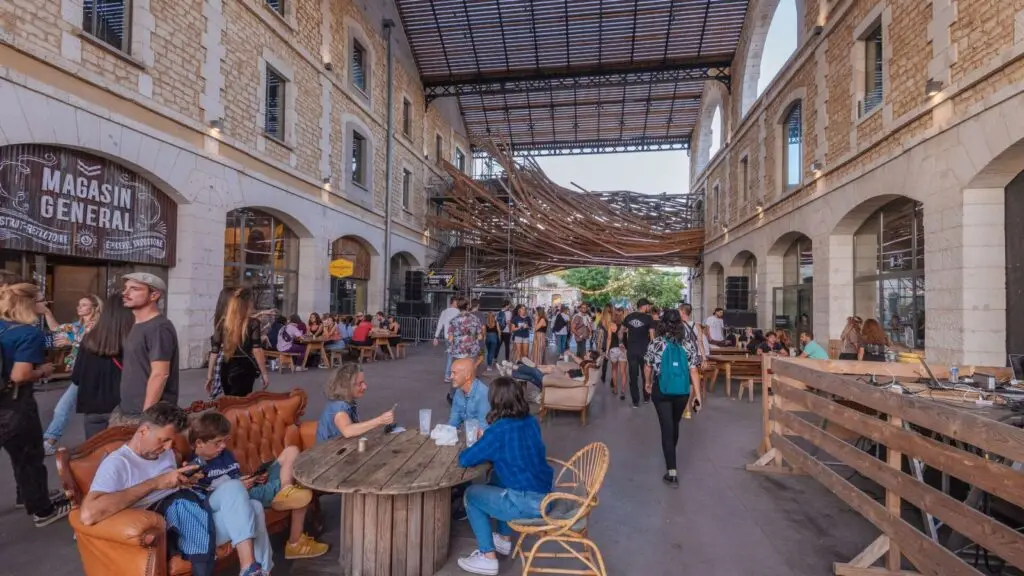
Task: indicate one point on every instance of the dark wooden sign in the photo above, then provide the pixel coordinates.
(61, 201)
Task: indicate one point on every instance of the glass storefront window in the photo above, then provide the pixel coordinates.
(889, 271)
(793, 300)
(261, 252)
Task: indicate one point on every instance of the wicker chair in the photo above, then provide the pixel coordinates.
(564, 514)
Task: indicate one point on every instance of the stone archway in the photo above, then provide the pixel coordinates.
(714, 287)
(788, 280)
(761, 16)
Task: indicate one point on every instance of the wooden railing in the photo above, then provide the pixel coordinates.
(980, 444)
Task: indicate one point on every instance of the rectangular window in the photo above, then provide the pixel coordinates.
(406, 117)
(744, 179)
(406, 188)
(358, 65)
(276, 6)
(460, 160)
(792, 151)
(358, 159)
(438, 148)
(873, 88)
(274, 116)
(716, 197)
(108, 21)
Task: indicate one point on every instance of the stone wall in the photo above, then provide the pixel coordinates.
(932, 148)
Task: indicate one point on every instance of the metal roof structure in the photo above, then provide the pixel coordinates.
(575, 76)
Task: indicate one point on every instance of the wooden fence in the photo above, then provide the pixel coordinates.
(822, 402)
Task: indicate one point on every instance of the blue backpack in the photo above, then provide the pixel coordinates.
(674, 379)
(501, 320)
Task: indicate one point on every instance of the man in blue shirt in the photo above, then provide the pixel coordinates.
(469, 402)
(811, 349)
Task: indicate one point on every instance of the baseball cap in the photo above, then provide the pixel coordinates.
(643, 302)
(151, 280)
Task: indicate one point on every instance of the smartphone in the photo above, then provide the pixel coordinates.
(390, 427)
(191, 473)
(263, 468)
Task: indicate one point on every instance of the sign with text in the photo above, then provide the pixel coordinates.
(341, 268)
(61, 201)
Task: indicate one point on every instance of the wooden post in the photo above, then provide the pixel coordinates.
(766, 384)
(893, 503)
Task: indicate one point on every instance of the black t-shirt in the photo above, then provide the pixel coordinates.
(99, 382)
(638, 335)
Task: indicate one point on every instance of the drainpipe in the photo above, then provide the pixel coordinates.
(388, 170)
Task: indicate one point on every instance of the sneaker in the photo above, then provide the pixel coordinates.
(622, 396)
(49, 448)
(292, 497)
(61, 508)
(502, 545)
(306, 547)
(255, 569)
(635, 405)
(527, 362)
(55, 496)
(459, 512)
(477, 563)
(647, 400)
(686, 414)
(672, 481)
(696, 406)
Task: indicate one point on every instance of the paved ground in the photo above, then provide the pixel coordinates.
(724, 521)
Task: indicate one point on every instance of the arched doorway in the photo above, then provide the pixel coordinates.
(715, 283)
(888, 257)
(741, 289)
(262, 252)
(792, 302)
(402, 285)
(349, 294)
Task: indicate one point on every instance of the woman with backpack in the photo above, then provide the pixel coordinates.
(670, 372)
(237, 341)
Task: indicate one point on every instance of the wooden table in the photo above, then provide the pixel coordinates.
(382, 339)
(747, 367)
(311, 344)
(396, 499)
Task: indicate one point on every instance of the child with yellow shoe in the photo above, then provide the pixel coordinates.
(275, 488)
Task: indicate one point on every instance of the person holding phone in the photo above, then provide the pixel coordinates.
(340, 416)
(270, 485)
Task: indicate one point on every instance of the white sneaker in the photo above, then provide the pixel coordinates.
(477, 563)
(528, 362)
(502, 545)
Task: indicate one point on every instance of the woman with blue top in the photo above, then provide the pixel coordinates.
(341, 416)
(520, 480)
(522, 324)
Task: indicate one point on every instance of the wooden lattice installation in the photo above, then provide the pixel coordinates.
(547, 227)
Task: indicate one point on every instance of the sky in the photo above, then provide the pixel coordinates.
(669, 171)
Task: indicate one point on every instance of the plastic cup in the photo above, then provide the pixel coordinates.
(472, 431)
(425, 421)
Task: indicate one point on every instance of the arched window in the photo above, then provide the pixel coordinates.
(792, 147)
(779, 44)
(717, 129)
(262, 252)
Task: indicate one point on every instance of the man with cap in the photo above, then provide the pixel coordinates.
(150, 364)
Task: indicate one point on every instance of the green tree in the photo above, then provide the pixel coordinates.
(590, 279)
(662, 288)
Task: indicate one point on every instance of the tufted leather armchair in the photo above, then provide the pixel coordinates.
(133, 542)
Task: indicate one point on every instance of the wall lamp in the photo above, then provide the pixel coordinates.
(817, 30)
(816, 166)
(328, 66)
(327, 180)
(932, 87)
(216, 124)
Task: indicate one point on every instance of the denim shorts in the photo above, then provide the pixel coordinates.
(521, 340)
(265, 493)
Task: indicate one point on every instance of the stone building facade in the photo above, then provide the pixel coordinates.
(878, 174)
(178, 94)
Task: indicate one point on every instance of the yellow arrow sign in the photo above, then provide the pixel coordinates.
(341, 268)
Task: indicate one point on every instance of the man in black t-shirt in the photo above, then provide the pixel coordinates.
(638, 331)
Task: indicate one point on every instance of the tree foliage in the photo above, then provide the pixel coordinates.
(602, 284)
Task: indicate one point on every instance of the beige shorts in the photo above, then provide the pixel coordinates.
(616, 355)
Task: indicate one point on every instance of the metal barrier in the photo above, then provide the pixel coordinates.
(426, 329)
(410, 327)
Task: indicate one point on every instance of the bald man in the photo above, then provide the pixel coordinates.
(469, 402)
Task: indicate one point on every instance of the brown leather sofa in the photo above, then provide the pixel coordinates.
(133, 542)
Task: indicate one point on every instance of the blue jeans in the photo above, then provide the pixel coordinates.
(563, 343)
(486, 501)
(238, 518)
(532, 375)
(492, 343)
(62, 413)
(336, 345)
(448, 366)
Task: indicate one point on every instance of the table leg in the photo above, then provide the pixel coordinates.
(401, 535)
(305, 359)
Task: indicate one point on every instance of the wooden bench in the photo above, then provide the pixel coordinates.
(335, 357)
(364, 353)
(400, 350)
(748, 376)
(284, 359)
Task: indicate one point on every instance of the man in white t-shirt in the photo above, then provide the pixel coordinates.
(442, 331)
(716, 327)
(143, 474)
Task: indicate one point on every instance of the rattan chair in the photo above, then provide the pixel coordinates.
(564, 513)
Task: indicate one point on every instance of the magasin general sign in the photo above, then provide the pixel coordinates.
(61, 201)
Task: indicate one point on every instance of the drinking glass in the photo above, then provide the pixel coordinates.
(425, 421)
(472, 431)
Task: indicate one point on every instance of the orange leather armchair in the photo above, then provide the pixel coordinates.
(134, 542)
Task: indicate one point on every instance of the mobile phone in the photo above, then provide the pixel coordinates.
(192, 473)
(263, 468)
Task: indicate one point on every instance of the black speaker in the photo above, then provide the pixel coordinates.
(414, 285)
(737, 293)
(414, 309)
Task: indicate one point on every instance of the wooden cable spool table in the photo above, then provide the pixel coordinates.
(396, 499)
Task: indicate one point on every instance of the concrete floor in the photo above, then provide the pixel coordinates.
(723, 521)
